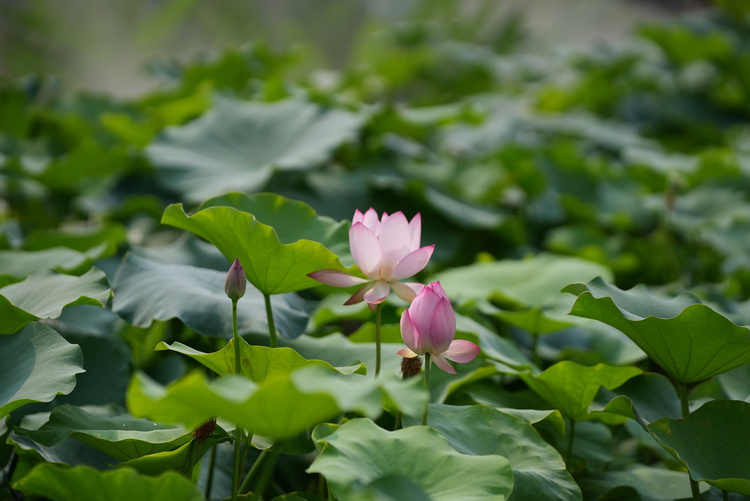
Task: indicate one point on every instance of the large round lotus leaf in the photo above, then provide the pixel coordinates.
(571, 388)
(36, 364)
(183, 459)
(291, 220)
(538, 469)
(65, 483)
(691, 342)
(358, 454)
(44, 295)
(146, 291)
(17, 263)
(280, 407)
(528, 282)
(259, 363)
(713, 442)
(272, 264)
(651, 484)
(237, 145)
(111, 431)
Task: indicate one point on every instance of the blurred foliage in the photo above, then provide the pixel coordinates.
(634, 157)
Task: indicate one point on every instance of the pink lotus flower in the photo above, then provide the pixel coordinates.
(387, 251)
(429, 326)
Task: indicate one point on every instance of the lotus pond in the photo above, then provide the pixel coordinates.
(450, 271)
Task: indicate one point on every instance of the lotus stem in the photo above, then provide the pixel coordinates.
(238, 429)
(274, 342)
(427, 363)
(571, 436)
(265, 474)
(682, 389)
(254, 471)
(210, 479)
(535, 349)
(378, 320)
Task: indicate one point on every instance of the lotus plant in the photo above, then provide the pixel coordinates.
(235, 285)
(428, 327)
(387, 250)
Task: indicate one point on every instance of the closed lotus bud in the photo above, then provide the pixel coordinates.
(236, 281)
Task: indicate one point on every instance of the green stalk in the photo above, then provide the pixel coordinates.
(724, 495)
(265, 475)
(210, 479)
(427, 386)
(254, 470)
(378, 319)
(569, 450)
(536, 358)
(237, 430)
(685, 408)
(271, 324)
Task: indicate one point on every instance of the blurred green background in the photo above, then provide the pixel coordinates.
(106, 46)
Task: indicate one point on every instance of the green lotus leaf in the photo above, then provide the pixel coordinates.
(80, 238)
(273, 265)
(360, 456)
(533, 320)
(237, 145)
(36, 364)
(339, 351)
(571, 387)
(108, 429)
(528, 282)
(146, 291)
(690, 341)
(653, 484)
(538, 469)
(713, 442)
(44, 295)
(66, 483)
(277, 409)
(291, 220)
(653, 397)
(183, 459)
(19, 264)
(259, 363)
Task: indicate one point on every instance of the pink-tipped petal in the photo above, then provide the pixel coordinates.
(409, 334)
(415, 226)
(422, 309)
(407, 353)
(461, 351)
(437, 288)
(395, 238)
(443, 364)
(378, 293)
(371, 221)
(413, 263)
(358, 217)
(442, 328)
(365, 250)
(358, 296)
(406, 291)
(336, 278)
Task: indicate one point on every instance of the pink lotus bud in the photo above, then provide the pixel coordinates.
(429, 326)
(236, 281)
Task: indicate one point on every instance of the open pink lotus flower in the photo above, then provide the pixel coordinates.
(387, 251)
(429, 326)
